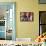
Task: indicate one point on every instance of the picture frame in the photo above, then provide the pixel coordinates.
(42, 1)
(26, 16)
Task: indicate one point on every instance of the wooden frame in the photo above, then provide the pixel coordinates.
(26, 16)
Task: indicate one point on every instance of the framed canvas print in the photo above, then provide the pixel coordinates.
(26, 16)
(42, 1)
(7, 20)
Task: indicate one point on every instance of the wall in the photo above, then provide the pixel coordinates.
(27, 29)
